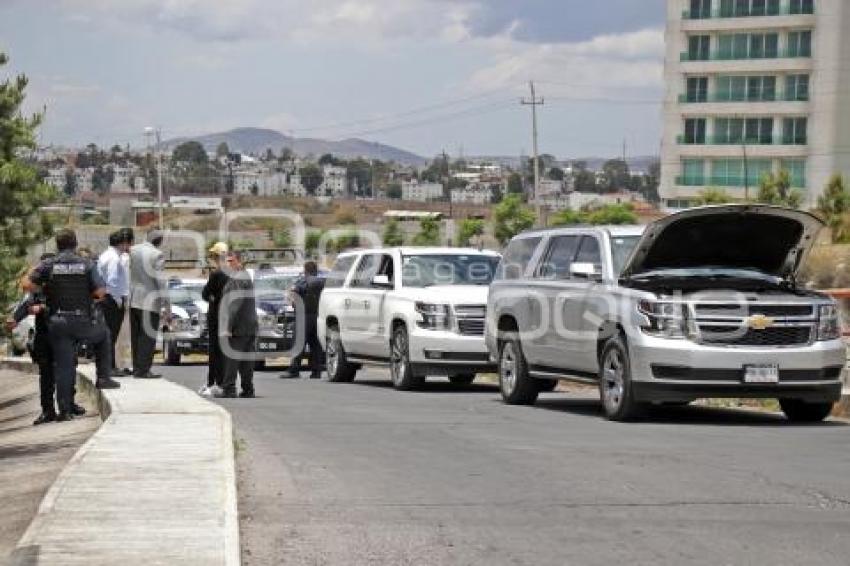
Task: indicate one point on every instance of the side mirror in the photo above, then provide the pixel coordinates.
(585, 271)
(382, 282)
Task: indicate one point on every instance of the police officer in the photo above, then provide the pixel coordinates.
(70, 282)
(34, 304)
(309, 288)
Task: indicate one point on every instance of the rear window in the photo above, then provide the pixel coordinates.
(516, 257)
(336, 277)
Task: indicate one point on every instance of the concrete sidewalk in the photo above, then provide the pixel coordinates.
(154, 485)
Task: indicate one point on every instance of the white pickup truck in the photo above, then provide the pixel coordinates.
(419, 310)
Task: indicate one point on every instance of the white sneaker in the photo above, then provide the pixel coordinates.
(205, 391)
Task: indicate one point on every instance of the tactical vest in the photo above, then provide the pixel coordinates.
(68, 291)
(312, 292)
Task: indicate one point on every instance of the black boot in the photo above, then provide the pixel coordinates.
(107, 383)
(78, 410)
(64, 416)
(45, 417)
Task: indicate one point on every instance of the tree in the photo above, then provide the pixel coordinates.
(311, 241)
(222, 150)
(392, 234)
(329, 159)
(286, 154)
(609, 214)
(190, 152)
(394, 190)
(270, 156)
(833, 205)
(70, 188)
(712, 195)
(281, 237)
(429, 233)
(359, 174)
(311, 178)
(776, 190)
(22, 223)
(616, 174)
(496, 194)
(101, 179)
(556, 174)
(510, 217)
(515, 184)
(469, 228)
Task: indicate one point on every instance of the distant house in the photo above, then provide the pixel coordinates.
(421, 192)
(472, 194)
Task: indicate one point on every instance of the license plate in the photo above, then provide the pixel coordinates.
(761, 374)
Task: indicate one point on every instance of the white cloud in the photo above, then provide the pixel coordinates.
(633, 59)
(281, 121)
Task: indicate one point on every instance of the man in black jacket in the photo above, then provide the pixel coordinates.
(212, 293)
(238, 329)
(309, 288)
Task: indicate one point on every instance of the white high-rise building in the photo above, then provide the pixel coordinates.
(753, 87)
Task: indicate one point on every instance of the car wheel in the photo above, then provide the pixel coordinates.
(16, 351)
(517, 387)
(401, 371)
(462, 378)
(171, 356)
(338, 367)
(615, 382)
(802, 412)
(31, 341)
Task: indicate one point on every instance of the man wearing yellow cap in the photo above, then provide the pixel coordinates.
(212, 293)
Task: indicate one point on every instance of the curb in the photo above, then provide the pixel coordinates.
(206, 530)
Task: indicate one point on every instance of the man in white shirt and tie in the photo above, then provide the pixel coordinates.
(117, 278)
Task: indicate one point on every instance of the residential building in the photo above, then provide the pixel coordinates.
(754, 87)
(335, 181)
(56, 177)
(84, 178)
(421, 192)
(472, 194)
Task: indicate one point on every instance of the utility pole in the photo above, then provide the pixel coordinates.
(534, 102)
(746, 174)
(446, 178)
(159, 175)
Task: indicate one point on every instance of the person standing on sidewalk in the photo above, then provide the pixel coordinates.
(309, 288)
(212, 293)
(147, 300)
(34, 304)
(70, 284)
(238, 330)
(117, 279)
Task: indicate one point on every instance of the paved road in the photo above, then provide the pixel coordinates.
(358, 473)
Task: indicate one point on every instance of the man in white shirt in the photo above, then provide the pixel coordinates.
(117, 278)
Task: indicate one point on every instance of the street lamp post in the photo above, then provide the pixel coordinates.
(149, 131)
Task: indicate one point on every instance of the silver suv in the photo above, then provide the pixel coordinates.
(702, 303)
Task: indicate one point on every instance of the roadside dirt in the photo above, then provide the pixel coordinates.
(31, 456)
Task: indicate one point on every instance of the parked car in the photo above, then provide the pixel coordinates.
(419, 310)
(275, 313)
(703, 303)
(186, 332)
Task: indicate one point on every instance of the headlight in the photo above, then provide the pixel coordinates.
(829, 323)
(267, 321)
(664, 320)
(434, 316)
(181, 325)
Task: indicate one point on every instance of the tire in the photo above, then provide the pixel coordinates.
(801, 412)
(546, 385)
(516, 386)
(17, 351)
(171, 357)
(462, 378)
(339, 369)
(401, 370)
(615, 382)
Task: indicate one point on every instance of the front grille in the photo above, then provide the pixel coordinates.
(773, 336)
(704, 310)
(471, 326)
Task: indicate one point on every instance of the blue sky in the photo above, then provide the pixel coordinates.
(425, 75)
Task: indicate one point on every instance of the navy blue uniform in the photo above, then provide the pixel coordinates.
(309, 288)
(68, 281)
(41, 353)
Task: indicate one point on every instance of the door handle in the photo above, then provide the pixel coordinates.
(347, 303)
(366, 304)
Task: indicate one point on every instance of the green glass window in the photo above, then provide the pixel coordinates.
(797, 170)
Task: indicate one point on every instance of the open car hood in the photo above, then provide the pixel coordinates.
(769, 239)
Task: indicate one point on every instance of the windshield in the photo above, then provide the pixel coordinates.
(276, 283)
(621, 249)
(185, 294)
(449, 269)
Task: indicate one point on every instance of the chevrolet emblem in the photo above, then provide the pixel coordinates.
(760, 322)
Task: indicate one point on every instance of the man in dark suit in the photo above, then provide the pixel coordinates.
(238, 329)
(309, 288)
